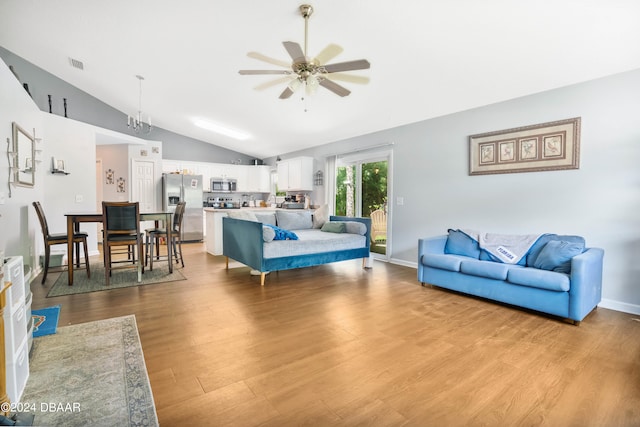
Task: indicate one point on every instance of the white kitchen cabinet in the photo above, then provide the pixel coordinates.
(259, 179)
(295, 174)
(241, 175)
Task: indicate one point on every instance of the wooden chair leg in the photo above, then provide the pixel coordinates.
(86, 257)
(152, 241)
(47, 254)
(140, 267)
(107, 264)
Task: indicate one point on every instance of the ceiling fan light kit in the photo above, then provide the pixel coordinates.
(311, 72)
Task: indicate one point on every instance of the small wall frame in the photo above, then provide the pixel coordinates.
(541, 147)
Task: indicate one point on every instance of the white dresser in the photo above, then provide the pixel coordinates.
(16, 329)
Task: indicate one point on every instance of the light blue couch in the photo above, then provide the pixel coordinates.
(245, 241)
(570, 295)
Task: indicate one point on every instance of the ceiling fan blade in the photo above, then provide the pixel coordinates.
(335, 87)
(328, 53)
(295, 51)
(286, 93)
(270, 83)
(268, 59)
(360, 64)
(363, 80)
(249, 72)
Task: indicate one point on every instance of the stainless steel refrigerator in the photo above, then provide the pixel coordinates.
(188, 188)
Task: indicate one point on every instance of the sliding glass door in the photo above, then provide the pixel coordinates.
(362, 190)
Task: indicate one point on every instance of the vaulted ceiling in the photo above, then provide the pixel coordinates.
(428, 58)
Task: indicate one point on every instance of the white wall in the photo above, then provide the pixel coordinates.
(600, 201)
(19, 227)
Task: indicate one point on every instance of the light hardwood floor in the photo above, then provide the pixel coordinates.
(339, 345)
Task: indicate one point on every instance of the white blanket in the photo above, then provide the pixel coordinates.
(508, 248)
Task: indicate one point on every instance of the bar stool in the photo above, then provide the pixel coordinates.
(153, 236)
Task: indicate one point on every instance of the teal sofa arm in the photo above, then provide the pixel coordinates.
(242, 241)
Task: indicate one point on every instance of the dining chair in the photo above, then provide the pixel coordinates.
(51, 239)
(153, 236)
(121, 225)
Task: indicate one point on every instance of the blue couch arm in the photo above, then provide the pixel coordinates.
(430, 245)
(586, 283)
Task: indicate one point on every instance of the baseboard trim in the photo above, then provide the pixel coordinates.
(404, 263)
(620, 306)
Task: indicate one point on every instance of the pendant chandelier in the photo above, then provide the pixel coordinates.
(136, 123)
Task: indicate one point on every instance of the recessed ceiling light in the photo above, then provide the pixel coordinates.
(213, 127)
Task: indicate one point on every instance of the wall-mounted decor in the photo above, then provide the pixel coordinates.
(21, 155)
(109, 177)
(121, 185)
(542, 147)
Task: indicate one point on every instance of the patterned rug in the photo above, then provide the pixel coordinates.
(90, 374)
(119, 279)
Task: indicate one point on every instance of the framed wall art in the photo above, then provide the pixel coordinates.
(542, 147)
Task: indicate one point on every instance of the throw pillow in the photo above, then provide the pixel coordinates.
(334, 227)
(281, 234)
(556, 256)
(459, 243)
(242, 214)
(300, 220)
(320, 216)
(268, 234)
(266, 217)
(355, 227)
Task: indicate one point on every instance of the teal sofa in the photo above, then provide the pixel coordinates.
(571, 289)
(246, 241)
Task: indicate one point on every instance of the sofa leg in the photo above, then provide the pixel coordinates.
(227, 266)
(262, 276)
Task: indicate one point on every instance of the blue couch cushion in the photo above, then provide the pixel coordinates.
(488, 269)
(443, 262)
(459, 243)
(536, 278)
(556, 255)
(544, 239)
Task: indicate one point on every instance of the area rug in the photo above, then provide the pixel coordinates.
(119, 279)
(90, 374)
(45, 321)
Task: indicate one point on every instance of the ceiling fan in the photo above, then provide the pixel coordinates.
(310, 72)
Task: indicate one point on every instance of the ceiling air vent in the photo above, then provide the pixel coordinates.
(76, 64)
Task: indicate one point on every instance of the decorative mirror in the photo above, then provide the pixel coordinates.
(23, 157)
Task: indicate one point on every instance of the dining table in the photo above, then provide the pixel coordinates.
(74, 219)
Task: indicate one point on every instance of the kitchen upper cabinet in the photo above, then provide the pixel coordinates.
(260, 178)
(295, 174)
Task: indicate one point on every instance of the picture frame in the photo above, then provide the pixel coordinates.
(541, 147)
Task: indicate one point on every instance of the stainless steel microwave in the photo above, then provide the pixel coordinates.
(223, 185)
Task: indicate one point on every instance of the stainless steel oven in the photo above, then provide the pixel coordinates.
(223, 185)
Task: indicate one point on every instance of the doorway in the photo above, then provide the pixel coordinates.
(362, 189)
